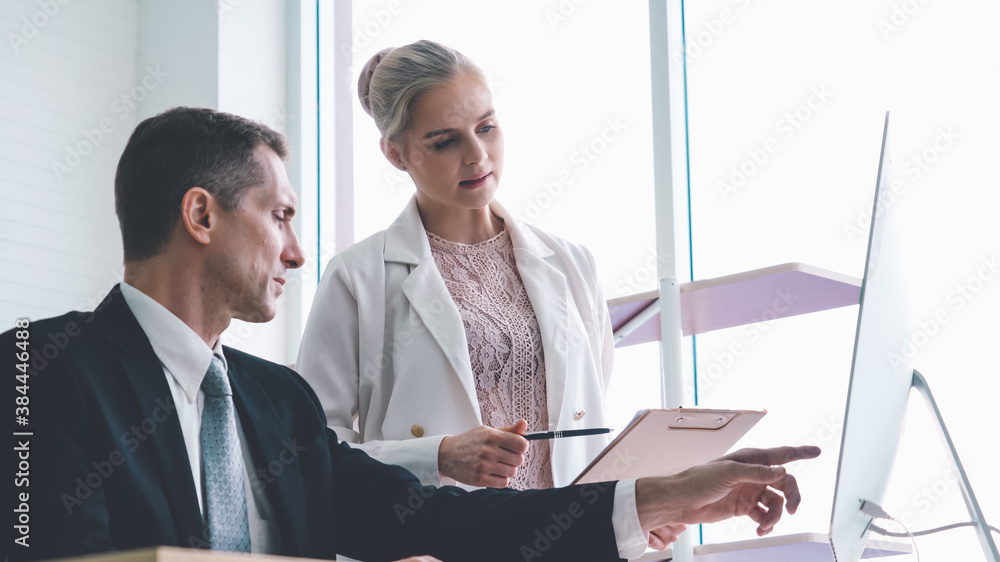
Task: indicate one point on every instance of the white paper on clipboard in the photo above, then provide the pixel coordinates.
(664, 442)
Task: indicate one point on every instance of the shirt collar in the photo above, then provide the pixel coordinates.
(182, 352)
(406, 239)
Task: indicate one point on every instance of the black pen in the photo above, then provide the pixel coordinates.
(565, 433)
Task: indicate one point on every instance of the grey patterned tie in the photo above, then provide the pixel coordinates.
(222, 461)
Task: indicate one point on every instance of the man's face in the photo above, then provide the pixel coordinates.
(257, 245)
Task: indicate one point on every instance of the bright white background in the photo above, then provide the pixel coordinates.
(936, 67)
(808, 83)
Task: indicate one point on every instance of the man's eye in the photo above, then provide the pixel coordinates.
(487, 128)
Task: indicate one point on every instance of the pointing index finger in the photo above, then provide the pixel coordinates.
(775, 455)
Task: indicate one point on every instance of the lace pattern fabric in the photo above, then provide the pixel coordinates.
(505, 342)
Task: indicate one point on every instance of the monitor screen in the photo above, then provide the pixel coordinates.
(881, 377)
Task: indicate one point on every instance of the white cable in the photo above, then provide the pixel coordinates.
(876, 511)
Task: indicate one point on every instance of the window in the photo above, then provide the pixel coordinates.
(786, 102)
(571, 87)
(785, 105)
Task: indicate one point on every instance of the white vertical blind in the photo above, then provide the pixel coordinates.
(68, 92)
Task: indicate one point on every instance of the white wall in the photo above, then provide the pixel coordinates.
(68, 86)
(251, 80)
(181, 38)
(76, 77)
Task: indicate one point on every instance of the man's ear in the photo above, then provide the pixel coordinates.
(392, 153)
(198, 214)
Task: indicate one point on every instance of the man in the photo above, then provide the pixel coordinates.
(146, 431)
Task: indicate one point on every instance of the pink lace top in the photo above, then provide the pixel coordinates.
(505, 343)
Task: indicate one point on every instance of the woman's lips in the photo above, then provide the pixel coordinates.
(476, 182)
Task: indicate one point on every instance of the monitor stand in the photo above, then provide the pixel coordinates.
(982, 530)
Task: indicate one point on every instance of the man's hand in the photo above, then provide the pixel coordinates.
(662, 537)
(748, 482)
(484, 456)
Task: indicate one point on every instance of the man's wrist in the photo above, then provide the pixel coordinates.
(658, 502)
(442, 454)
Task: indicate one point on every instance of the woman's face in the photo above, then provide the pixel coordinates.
(454, 149)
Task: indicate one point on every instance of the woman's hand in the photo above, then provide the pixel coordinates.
(483, 456)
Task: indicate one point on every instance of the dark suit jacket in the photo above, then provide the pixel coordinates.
(109, 470)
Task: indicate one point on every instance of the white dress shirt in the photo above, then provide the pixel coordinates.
(185, 359)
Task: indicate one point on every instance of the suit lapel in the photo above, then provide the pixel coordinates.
(549, 293)
(145, 374)
(274, 455)
(424, 288)
(429, 297)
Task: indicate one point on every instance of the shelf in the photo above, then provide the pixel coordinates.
(800, 547)
(753, 296)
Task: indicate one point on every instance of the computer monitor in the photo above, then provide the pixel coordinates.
(881, 377)
(880, 384)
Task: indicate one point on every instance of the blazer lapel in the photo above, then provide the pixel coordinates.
(269, 443)
(548, 292)
(424, 288)
(145, 374)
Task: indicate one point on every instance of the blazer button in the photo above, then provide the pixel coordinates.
(579, 415)
(417, 430)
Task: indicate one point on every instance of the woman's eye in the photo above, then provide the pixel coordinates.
(487, 128)
(443, 144)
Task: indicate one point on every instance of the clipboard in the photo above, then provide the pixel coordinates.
(663, 442)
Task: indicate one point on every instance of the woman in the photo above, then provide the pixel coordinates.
(458, 328)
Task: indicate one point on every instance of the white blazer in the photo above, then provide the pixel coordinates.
(385, 344)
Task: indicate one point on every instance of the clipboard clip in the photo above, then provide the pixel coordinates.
(701, 419)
